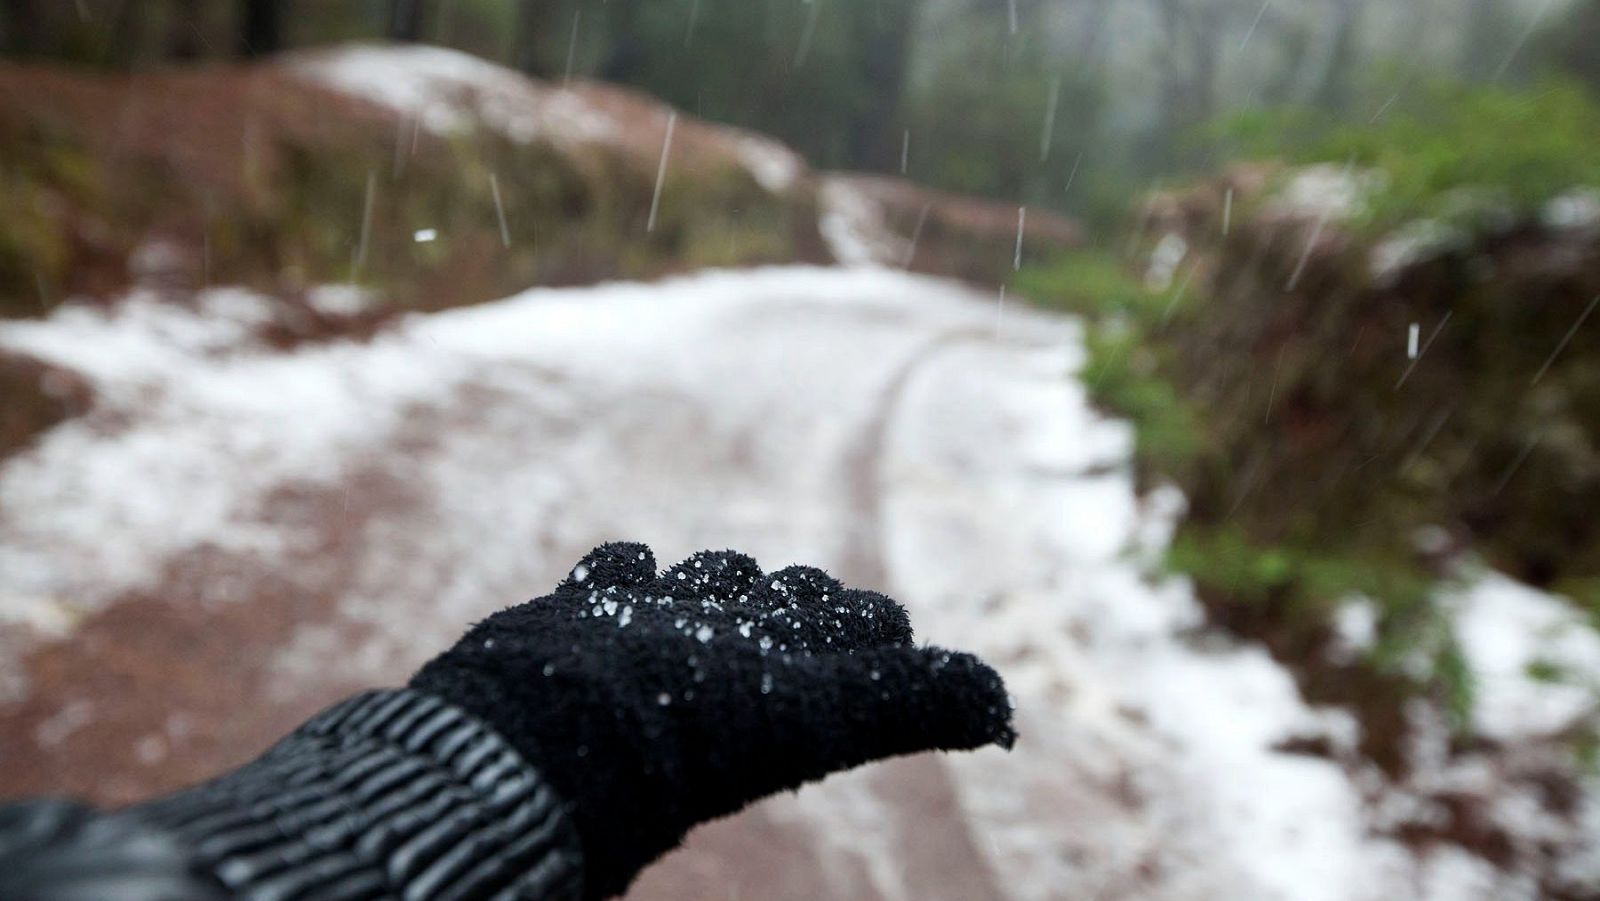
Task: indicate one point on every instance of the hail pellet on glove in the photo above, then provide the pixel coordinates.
(553, 752)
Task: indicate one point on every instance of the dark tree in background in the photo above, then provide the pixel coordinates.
(1050, 102)
(1573, 45)
(406, 20)
(260, 27)
(536, 20)
(22, 31)
(1484, 44)
(185, 34)
(1332, 81)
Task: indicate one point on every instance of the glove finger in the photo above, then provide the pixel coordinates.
(775, 721)
(614, 564)
(811, 610)
(796, 606)
(724, 578)
(872, 620)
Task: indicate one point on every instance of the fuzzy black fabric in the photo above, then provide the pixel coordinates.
(656, 702)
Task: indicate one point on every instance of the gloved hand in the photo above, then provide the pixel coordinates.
(655, 702)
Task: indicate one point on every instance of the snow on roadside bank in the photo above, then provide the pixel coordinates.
(728, 409)
(1535, 659)
(449, 92)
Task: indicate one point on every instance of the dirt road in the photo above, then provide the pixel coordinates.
(236, 536)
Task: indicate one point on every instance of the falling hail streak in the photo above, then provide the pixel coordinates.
(1316, 233)
(366, 226)
(661, 171)
(1178, 294)
(499, 210)
(1022, 223)
(1049, 120)
(1566, 340)
(1012, 9)
(1305, 255)
(999, 311)
(1424, 351)
(1383, 109)
(1522, 39)
(807, 33)
(1254, 25)
(1272, 396)
(1505, 478)
(572, 48)
(1413, 336)
(1227, 212)
(1073, 175)
(694, 16)
(905, 150)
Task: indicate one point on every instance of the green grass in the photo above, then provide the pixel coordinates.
(1088, 282)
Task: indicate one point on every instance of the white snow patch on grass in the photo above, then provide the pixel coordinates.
(449, 92)
(775, 167)
(1535, 659)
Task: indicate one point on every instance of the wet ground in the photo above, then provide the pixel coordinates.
(237, 536)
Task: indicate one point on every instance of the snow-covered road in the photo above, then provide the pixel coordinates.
(237, 535)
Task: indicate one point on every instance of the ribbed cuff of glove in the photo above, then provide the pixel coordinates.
(390, 794)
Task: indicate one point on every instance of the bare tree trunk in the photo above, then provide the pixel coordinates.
(1090, 48)
(405, 20)
(1188, 90)
(185, 40)
(260, 27)
(872, 143)
(1485, 42)
(1332, 89)
(24, 31)
(535, 20)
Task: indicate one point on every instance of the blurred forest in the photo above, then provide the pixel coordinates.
(1076, 105)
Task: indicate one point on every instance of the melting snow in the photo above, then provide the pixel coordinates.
(853, 225)
(449, 92)
(753, 410)
(1511, 634)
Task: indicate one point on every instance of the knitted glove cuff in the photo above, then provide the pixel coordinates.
(390, 794)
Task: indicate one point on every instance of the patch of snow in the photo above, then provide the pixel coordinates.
(853, 226)
(866, 420)
(1509, 632)
(775, 167)
(143, 337)
(1159, 738)
(1169, 254)
(46, 616)
(1328, 192)
(1577, 210)
(1415, 242)
(69, 719)
(157, 260)
(448, 92)
(340, 300)
(1356, 623)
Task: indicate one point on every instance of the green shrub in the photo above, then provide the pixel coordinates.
(1528, 143)
(1088, 282)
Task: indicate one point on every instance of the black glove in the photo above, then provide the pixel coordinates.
(653, 703)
